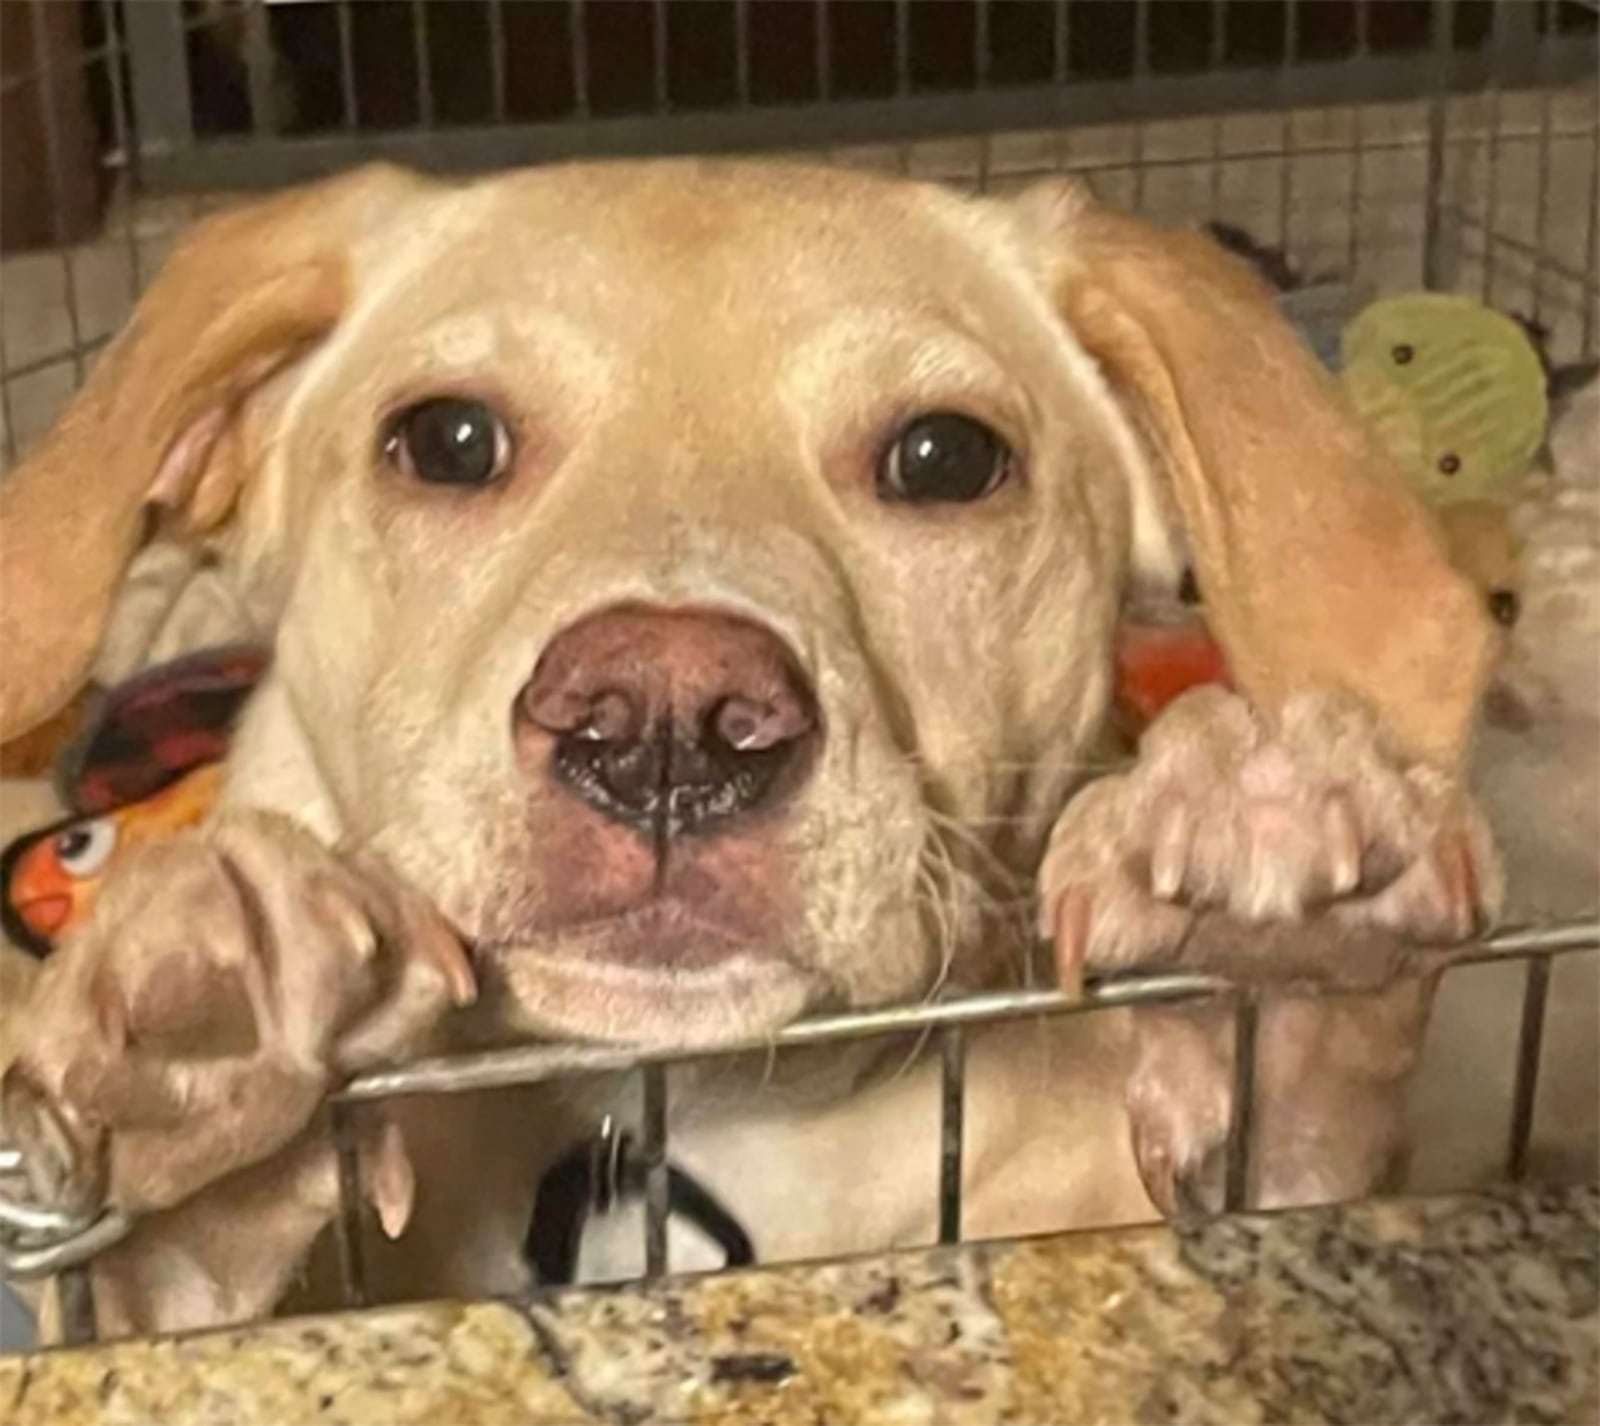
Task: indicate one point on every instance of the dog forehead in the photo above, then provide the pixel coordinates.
(664, 234)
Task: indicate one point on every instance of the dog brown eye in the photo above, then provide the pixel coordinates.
(943, 458)
(448, 441)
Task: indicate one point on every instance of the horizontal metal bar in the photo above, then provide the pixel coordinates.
(1520, 942)
(539, 1063)
(237, 163)
(532, 1064)
(67, 356)
(1553, 267)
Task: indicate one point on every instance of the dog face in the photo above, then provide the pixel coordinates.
(662, 511)
(698, 579)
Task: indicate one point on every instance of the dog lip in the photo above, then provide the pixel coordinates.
(662, 934)
(743, 996)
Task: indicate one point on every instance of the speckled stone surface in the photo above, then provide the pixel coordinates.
(1480, 1309)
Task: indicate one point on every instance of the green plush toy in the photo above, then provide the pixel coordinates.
(1453, 390)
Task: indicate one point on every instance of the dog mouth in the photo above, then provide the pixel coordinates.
(667, 935)
(661, 974)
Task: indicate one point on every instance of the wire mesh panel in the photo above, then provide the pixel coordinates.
(1388, 144)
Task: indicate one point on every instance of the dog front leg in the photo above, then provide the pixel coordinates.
(1304, 859)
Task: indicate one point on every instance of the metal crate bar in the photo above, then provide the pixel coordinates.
(68, 1256)
(348, 1225)
(1241, 1126)
(540, 1063)
(1525, 1087)
(656, 1185)
(234, 163)
(952, 1129)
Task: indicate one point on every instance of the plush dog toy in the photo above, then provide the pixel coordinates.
(146, 763)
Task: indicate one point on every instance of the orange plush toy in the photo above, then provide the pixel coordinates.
(144, 763)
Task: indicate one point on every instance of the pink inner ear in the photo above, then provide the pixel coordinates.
(184, 463)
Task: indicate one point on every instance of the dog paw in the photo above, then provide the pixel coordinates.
(226, 980)
(1302, 859)
(1307, 851)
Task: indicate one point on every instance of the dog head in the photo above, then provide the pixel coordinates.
(700, 578)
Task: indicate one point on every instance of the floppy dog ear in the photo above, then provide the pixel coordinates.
(1317, 565)
(244, 294)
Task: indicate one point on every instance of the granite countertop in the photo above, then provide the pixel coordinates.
(1470, 1309)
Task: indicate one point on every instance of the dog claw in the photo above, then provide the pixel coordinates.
(1453, 862)
(1169, 850)
(1343, 832)
(1074, 921)
(446, 953)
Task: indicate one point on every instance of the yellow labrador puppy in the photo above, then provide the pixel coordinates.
(692, 587)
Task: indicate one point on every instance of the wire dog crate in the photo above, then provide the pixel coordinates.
(1453, 144)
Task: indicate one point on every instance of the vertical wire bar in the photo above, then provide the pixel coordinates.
(1060, 72)
(1291, 46)
(1498, 39)
(578, 30)
(980, 44)
(902, 48)
(658, 54)
(260, 62)
(419, 41)
(741, 51)
(497, 59)
(1358, 147)
(123, 138)
(824, 31)
(1530, 1044)
(75, 1298)
(655, 1158)
(1141, 69)
(347, 1225)
(1541, 211)
(1589, 298)
(952, 1128)
(45, 88)
(1218, 54)
(902, 66)
(163, 112)
(980, 80)
(348, 101)
(1241, 1127)
(9, 414)
(1443, 22)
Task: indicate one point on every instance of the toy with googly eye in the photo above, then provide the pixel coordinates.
(49, 879)
(1453, 390)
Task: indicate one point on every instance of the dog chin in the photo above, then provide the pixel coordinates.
(579, 987)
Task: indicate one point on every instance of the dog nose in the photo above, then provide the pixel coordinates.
(671, 721)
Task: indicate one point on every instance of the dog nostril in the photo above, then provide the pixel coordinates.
(609, 716)
(747, 726)
(613, 718)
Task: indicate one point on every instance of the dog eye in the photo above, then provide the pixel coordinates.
(943, 458)
(448, 441)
